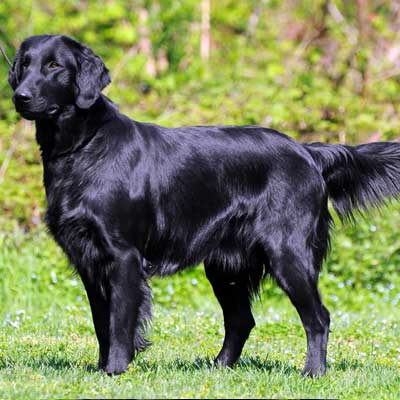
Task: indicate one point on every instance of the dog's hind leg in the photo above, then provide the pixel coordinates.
(297, 275)
(233, 294)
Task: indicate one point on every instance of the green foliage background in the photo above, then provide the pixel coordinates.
(316, 70)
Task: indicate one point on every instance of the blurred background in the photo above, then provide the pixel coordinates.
(318, 70)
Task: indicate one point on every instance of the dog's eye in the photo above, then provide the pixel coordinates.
(25, 64)
(53, 64)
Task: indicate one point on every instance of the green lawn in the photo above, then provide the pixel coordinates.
(54, 355)
(48, 347)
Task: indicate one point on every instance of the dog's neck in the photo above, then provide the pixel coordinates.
(72, 129)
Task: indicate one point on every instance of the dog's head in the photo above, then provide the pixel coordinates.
(51, 72)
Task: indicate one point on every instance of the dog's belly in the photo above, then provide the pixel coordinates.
(229, 242)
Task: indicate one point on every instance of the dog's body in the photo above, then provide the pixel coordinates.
(128, 200)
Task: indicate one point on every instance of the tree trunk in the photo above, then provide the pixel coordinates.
(205, 30)
(145, 45)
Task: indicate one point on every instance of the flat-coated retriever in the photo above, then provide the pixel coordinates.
(127, 200)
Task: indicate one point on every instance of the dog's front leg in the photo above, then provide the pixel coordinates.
(126, 298)
(97, 294)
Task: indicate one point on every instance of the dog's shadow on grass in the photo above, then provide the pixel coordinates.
(52, 362)
(59, 363)
(207, 363)
(260, 364)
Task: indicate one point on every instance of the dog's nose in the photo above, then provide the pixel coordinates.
(23, 97)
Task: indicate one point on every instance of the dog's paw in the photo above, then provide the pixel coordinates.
(314, 371)
(225, 361)
(116, 367)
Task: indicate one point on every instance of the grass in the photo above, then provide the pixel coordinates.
(48, 346)
(54, 355)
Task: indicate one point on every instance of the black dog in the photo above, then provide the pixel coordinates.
(127, 200)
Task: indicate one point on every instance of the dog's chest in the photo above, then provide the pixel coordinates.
(75, 219)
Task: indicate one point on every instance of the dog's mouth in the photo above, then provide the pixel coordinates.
(53, 110)
(33, 114)
(27, 114)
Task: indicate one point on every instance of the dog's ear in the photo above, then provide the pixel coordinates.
(14, 72)
(91, 78)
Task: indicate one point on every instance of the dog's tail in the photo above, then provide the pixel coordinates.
(360, 176)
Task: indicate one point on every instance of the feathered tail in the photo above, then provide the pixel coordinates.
(358, 177)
